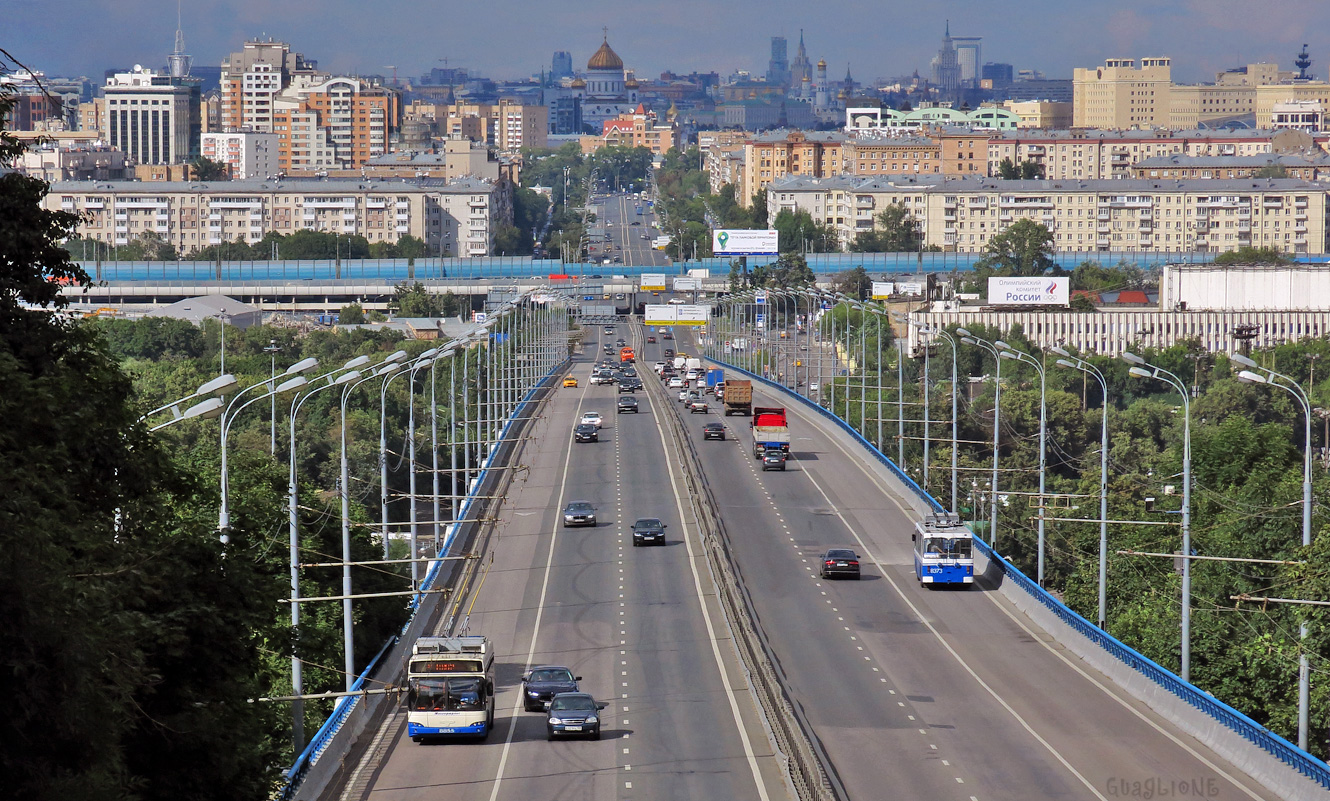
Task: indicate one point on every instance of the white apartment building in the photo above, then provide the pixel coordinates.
(151, 117)
(458, 218)
(249, 154)
(964, 214)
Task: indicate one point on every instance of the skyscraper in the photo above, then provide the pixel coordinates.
(946, 67)
(563, 65)
(778, 68)
(801, 69)
(968, 57)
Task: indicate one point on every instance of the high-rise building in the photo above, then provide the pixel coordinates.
(252, 78)
(801, 69)
(323, 121)
(562, 66)
(1000, 74)
(778, 68)
(946, 67)
(152, 117)
(1123, 95)
(968, 52)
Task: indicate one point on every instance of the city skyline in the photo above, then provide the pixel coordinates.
(1200, 36)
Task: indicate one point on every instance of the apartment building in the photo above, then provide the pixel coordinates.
(458, 218)
(151, 117)
(1304, 167)
(1097, 155)
(248, 154)
(253, 78)
(964, 214)
(53, 163)
(894, 155)
(775, 154)
(639, 128)
(1043, 114)
(333, 122)
(507, 125)
(1121, 94)
(725, 165)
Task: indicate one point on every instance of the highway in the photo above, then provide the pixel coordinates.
(617, 214)
(640, 625)
(936, 694)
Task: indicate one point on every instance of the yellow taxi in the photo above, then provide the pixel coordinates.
(570, 382)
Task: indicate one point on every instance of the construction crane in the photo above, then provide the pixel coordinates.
(394, 69)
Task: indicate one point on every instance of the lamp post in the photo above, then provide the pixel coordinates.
(272, 350)
(1271, 378)
(954, 389)
(348, 373)
(388, 366)
(970, 339)
(1008, 352)
(424, 360)
(1141, 369)
(1085, 367)
(228, 417)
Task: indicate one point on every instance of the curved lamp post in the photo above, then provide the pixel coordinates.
(970, 339)
(1008, 352)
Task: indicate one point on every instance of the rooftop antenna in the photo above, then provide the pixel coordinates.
(178, 63)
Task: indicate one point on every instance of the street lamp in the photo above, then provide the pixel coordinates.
(272, 350)
(348, 372)
(1292, 387)
(1008, 352)
(1140, 369)
(970, 339)
(926, 329)
(206, 410)
(1075, 363)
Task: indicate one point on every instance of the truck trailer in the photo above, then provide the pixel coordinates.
(770, 430)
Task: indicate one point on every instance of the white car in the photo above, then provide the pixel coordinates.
(675, 383)
(812, 387)
(685, 395)
(590, 418)
(675, 301)
(658, 366)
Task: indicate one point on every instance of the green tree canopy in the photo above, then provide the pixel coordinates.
(1026, 170)
(895, 231)
(798, 230)
(1024, 248)
(1251, 255)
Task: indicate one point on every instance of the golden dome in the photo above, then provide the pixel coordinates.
(605, 59)
(821, 63)
(577, 83)
(631, 83)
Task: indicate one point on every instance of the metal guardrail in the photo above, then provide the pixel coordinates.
(346, 705)
(792, 737)
(1251, 731)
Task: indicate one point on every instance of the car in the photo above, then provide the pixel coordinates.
(585, 433)
(626, 406)
(620, 342)
(667, 335)
(626, 386)
(713, 431)
(839, 562)
(570, 381)
(658, 366)
(675, 383)
(686, 395)
(648, 530)
(609, 329)
(575, 714)
(697, 405)
(646, 236)
(669, 352)
(635, 222)
(591, 419)
(651, 340)
(579, 513)
(630, 372)
(543, 683)
(609, 349)
(619, 296)
(773, 459)
(812, 387)
(692, 375)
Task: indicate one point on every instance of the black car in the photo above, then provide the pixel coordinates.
(668, 335)
(574, 714)
(579, 513)
(543, 683)
(585, 433)
(627, 385)
(648, 531)
(713, 431)
(773, 459)
(669, 352)
(630, 372)
(627, 405)
(651, 340)
(839, 562)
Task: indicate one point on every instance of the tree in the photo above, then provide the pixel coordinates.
(854, 283)
(1027, 170)
(205, 169)
(351, 314)
(1025, 248)
(798, 230)
(896, 231)
(1251, 255)
(415, 301)
(1272, 170)
(1095, 277)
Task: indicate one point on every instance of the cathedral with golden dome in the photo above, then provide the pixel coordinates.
(606, 89)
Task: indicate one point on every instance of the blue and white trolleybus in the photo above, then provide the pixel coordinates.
(942, 550)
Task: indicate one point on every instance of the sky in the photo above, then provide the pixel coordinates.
(516, 38)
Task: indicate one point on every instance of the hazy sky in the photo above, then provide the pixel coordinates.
(515, 38)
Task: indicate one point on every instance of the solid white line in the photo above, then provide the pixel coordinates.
(706, 618)
(959, 659)
(540, 607)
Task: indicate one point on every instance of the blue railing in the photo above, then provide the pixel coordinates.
(323, 737)
(1253, 732)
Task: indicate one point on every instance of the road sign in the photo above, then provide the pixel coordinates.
(687, 284)
(652, 281)
(760, 296)
(691, 315)
(883, 290)
(660, 314)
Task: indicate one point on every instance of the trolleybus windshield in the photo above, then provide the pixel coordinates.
(947, 547)
(445, 695)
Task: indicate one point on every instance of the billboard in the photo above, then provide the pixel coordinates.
(659, 314)
(910, 288)
(652, 281)
(687, 285)
(744, 242)
(883, 290)
(691, 315)
(1032, 291)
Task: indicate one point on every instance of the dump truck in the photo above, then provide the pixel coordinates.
(770, 431)
(738, 397)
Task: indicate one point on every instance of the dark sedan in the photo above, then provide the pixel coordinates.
(579, 513)
(713, 431)
(839, 562)
(575, 714)
(773, 459)
(543, 683)
(648, 531)
(585, 433)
